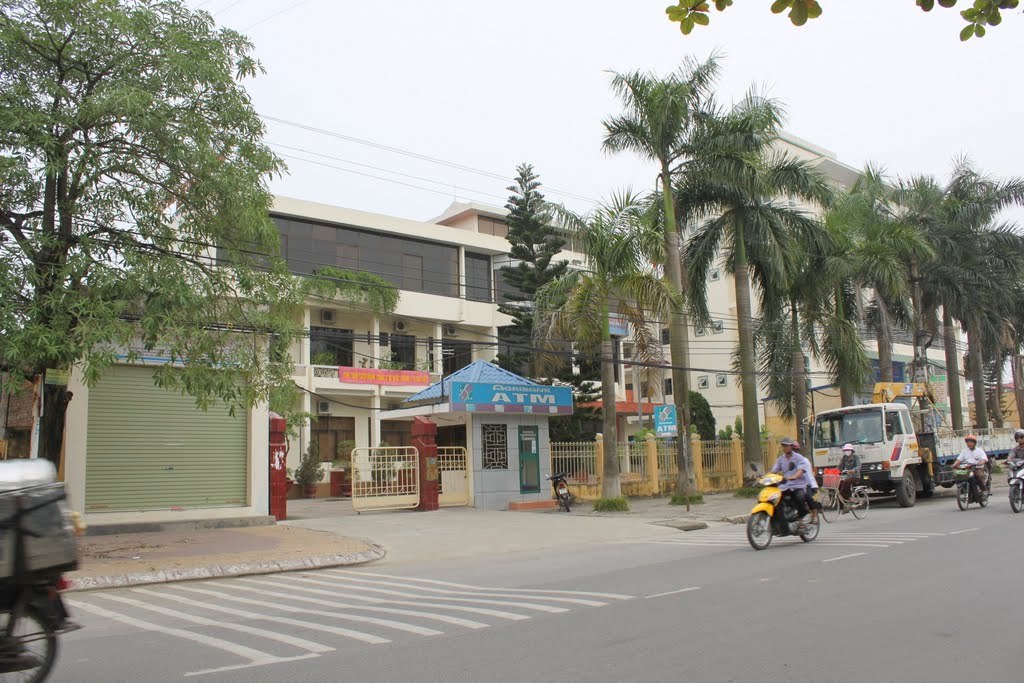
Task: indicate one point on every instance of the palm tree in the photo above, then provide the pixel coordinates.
(760, 235)
(660, 116)
(618, 278)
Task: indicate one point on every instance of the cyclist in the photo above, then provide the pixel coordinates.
(849, 468)
(975, 459)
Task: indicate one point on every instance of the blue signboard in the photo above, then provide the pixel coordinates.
(473, 397)
(617, 326)
(665, 421)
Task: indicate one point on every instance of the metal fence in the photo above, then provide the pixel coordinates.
(577, 459)
(632, 460)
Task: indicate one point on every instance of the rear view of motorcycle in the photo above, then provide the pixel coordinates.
(38, 544)
(562, 493)
(1015, 476)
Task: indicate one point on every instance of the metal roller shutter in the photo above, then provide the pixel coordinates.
(149, 448)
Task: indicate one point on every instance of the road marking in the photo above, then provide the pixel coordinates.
(676, 592)
(612, 596)
(245, 614)
(843, 557)
(512, 616)
(962, 531)
(288, 595)
(349, 576)
(307, 645)
(255, 657)
(479, 601)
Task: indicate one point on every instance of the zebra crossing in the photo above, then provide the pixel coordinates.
(272, 619)
(736, 538)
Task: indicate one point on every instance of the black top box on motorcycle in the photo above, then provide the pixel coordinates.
(31, 496)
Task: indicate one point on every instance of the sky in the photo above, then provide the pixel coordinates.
(488, 85)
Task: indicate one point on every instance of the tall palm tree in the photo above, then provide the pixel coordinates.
(759, 234)
(659, 118)
(618, 279)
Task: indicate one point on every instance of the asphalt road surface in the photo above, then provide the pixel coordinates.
(922, 594)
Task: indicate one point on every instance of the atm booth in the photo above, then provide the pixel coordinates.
(502, 421)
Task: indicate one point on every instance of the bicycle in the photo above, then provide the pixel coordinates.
(833, 503)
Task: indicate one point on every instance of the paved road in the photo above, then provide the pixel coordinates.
(910, 595)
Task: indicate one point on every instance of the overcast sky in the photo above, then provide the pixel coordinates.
(488, 85)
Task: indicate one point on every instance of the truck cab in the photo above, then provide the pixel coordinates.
(892, 458)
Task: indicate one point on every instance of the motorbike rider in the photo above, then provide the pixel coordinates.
(1018, 451)
(974, 458)
(794, 469)
(849, 468)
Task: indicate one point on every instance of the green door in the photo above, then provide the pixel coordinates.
(149, 448)
(529, 460)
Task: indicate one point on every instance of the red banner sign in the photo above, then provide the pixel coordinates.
(377, 376)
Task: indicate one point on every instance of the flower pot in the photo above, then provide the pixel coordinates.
(341, 485)
(309, 491)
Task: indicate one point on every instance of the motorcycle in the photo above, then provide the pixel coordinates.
(562, 494)
(1015, 477)
(967, 489)
(776, 515)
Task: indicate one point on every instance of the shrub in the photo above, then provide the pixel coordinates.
(310, 470)
(620, 504)
(747, 492)
(682, 499)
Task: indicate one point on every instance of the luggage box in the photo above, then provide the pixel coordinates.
(55, 548)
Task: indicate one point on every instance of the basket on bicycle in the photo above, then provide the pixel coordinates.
(831, 478)
(961, 475)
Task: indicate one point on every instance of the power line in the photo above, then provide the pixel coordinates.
(275, 15)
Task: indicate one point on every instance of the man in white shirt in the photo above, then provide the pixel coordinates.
(974, 458)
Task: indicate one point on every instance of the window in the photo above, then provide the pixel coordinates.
(403, 351)
(331, 432)
(859, 427)
(892, 425)
(396, 432)
(433, 267)
(412, 272)
(664, 335)
(717, 327)
(703, 382)
(478, 277)
(721, 381)
(455, 355)
(328, 346)
(495, 455)
(668, 386)
(492, 226)
(715, 275)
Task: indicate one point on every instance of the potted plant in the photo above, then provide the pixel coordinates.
(323, 358)
(310, 471)
(341, 482)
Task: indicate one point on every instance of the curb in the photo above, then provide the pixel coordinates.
(736, 519)
(88, 583)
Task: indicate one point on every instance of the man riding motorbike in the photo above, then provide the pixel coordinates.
(974, 458)
(1018, 451)
(794, 469)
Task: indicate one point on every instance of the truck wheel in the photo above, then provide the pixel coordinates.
(906, 492)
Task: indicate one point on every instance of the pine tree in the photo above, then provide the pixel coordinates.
(534, 246)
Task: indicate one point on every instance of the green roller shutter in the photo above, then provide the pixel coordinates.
(149, 448)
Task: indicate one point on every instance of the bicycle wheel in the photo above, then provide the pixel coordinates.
(859, 503)
(827, 499)
(31, 650)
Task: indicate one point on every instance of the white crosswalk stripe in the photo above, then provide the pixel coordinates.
(737, 539)
(384, 607)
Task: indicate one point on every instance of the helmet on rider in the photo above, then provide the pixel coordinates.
(1018, 434)
(848, 448)
(971, 438)
(786, 441)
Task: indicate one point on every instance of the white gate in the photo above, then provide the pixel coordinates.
(453, 476)
(385, 478)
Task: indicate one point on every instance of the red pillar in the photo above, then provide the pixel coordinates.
(278, 472)
(424, 438)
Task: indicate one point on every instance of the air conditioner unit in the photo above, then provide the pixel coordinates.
(401, 326)
(323, 407)
(451, 331)
(327, 316)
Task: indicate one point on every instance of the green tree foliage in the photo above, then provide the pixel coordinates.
(366, 289)
(134, 202)
(702, 415)
(981, 13)
(585, 422)
(534, 246)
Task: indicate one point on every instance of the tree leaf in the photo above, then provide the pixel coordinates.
(779, 6)
(701, 19)
(979, 31)
(967, 32)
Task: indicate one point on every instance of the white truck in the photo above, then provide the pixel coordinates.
(901, 451)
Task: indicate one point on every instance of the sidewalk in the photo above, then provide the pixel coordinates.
(161, 556)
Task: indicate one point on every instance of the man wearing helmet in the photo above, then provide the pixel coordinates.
(976, 459)
(1018, 451)
(849, 467)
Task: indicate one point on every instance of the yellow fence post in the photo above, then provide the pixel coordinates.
(698, 462)
(599, 461)
(737, 459)
(773, 452)
(652, 464)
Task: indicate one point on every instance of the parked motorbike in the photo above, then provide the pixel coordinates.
(562, 493)
(1015, 477)
(967, 490)
(776, 515)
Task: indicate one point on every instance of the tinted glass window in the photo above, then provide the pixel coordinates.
(478, 277)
